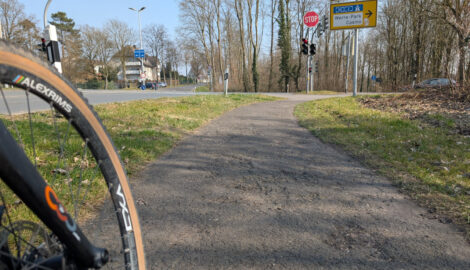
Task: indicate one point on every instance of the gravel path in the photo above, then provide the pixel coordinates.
(253, 190)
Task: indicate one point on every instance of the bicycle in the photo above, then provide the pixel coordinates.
(53, 160)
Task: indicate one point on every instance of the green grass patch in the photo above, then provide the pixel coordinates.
(202, 89)
(431, 164)
(141, 130)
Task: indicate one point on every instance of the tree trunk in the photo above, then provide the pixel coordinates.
(254, 43)
(462, 54)
(124, 70)
(271, 51)
(219, 48)
(106, 81)
(239, 11)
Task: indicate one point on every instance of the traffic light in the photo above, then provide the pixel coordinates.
(316, 67)
(313, 49)
(310, 70)
(305, 46)
(42, 45)
(325, 22)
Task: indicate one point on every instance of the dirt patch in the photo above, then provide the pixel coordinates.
(436, 107)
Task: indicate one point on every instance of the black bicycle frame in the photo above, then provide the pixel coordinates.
(17, 171)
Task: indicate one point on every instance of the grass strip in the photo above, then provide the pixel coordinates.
(431, 164)
(202, 89)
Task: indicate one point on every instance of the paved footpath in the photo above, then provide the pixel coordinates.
(254, 190)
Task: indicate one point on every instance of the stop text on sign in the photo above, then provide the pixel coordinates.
(311, 19)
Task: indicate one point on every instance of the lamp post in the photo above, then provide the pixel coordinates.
(53, 51)
(45, 13)
(141, 44)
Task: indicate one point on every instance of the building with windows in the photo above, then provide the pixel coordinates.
(133, 66)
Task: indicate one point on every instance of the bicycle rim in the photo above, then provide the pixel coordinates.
(67, 143)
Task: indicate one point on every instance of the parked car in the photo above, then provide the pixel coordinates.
(162, 84)
(436, 83)
(151, 85)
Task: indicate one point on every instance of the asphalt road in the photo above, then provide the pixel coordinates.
(254, 190)
(18, 103)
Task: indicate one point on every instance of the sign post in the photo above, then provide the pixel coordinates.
(353, 15)
(311, 19)
(348, 53)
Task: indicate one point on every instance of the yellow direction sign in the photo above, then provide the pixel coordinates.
(350, 15)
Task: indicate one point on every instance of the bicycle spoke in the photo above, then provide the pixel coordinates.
(19, 238)
(11, 118)
(31, 128)
(95, 172)
(82, 162)
(25, 263)
(61, 151)
(54, 121)
(10, 229)
(33, 236)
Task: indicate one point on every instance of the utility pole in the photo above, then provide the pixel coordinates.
(141, 43)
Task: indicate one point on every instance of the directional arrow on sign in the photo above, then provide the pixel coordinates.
(369, 14)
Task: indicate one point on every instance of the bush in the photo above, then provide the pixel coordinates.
(97, 84)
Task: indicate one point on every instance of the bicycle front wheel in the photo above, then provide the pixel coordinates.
(71, 149)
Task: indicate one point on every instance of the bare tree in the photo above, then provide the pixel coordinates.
(194, 14)
(271, 51)
(11, 15)
(156, 38)
(254, 37)
(217, 7)
(456, 13)
(122, 37)
(104, 52)
(90, 47)
(239, 7)
(27, 34)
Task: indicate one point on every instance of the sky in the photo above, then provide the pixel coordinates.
(97, 12)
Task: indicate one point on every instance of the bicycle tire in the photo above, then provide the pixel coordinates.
(25, 70)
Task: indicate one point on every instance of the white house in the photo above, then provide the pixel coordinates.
(152, 73)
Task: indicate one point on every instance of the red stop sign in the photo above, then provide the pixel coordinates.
(311, 19)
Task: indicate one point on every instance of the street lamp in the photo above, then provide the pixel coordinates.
(45, 13)
(140, 29)
(140, 33)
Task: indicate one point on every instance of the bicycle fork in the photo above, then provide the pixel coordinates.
(17, 171)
